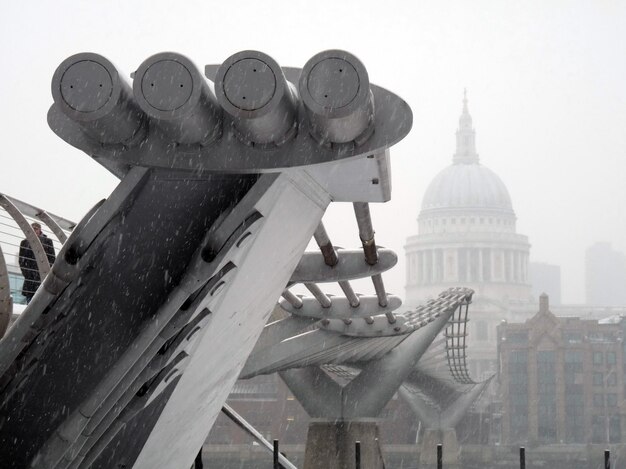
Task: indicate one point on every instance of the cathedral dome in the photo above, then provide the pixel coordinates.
(467, 186)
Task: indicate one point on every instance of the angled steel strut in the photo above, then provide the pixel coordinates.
(128, 350)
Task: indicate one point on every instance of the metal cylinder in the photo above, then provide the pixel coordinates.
(171, 90)
(366, 231)
(293, 300)
(327, 248)
(379, 286)
(335, 90)
(319, 294)
(349, 292)
(439, 456)
(90, 91)
(251, 87)
(276, 454)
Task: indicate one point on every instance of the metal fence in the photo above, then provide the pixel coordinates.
(16, 218)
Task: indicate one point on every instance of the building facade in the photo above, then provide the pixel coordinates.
(467, 237)
(562, 380)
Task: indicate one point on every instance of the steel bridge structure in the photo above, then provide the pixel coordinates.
(127, 352)
(159, 297)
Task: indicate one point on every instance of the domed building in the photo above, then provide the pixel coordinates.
(467, 237)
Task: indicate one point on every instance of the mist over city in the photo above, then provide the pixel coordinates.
(394, 223)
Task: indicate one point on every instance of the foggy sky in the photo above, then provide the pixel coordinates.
(546, 85)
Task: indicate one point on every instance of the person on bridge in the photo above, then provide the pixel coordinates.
(28, 263)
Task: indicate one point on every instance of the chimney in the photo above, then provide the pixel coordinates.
(544, 303)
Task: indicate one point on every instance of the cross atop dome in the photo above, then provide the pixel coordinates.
(465, 137)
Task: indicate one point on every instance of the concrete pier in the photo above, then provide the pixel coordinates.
(451, 449)
(331, 445)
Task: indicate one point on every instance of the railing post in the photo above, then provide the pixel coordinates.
(357, 454)
(440, 456)
(522, 458)
(607, 459)
(276, 465)
(197, 464)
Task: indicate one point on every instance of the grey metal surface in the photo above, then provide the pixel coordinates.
(456, 345)
(435, 414)
(51, 223)
(368, 326)
(79, 254)
(366, 231)
(19, 215)
(392, 120)
(384, 362)
(351, 296)
(323, 300)
(263, 110)
(171, 90)
(340, 307)
(250, 430)
(314, 344)
(43, 266)
(327, 248)
(6, 302)
(292, 299)
(36, 212)
(316, 348)
(312, 267)
(158, 296)
(390, 371)
(335, 90)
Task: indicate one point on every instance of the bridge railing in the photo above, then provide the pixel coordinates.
(16, 218)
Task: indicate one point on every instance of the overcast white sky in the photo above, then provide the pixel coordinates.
(546, 83)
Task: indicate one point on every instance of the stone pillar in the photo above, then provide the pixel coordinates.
(331, 444)
(512, 263)
(525, 267)
(480, 265)
(451, 449)
(508, 270)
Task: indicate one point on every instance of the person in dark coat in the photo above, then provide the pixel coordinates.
(28, 263)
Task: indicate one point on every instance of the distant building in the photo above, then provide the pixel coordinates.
(562, 380)
(545, 278)
(605, 275)
(467, 237)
